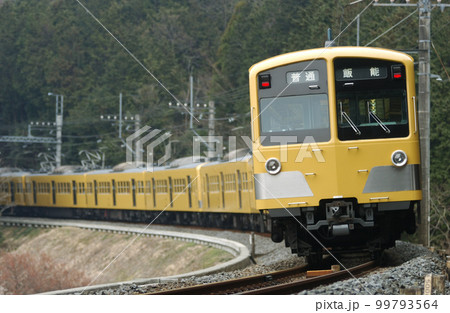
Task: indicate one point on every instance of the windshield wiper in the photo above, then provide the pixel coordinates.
(377, 119)
(349, 120)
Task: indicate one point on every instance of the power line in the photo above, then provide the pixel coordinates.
(439, 57)
(129, 52)
(391, 28)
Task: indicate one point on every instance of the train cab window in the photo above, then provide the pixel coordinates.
(294, 105)
(294, 118)
(371, 99)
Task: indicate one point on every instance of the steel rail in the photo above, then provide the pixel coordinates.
(237, 286)
(309, 283)
(229, 286)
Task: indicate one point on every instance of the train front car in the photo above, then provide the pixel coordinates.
(336, 148)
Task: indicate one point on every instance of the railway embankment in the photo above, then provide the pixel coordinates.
(110, 253)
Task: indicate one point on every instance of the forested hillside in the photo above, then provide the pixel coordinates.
(56, 46)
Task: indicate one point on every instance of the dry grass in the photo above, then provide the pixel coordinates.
(109, 256)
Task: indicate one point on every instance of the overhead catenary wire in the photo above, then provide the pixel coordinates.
(440, 60)
(391, 28)
(132, 55)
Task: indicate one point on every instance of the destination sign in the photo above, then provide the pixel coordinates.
(302, 77)
(361, 73)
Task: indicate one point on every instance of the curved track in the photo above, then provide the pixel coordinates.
(281, 282)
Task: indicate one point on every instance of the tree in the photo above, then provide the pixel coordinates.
(25, 273)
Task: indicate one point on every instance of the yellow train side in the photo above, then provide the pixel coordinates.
(211, 194)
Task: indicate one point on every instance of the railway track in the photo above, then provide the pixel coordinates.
(277, 283)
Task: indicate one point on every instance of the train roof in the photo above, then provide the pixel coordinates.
(244, 159)
(14, 174)
(331, 52)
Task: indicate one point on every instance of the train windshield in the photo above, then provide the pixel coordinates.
(288, 120)
(371, 99)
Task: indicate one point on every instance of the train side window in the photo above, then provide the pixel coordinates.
(81, 188)
(161, 186)
(179, 185)
(89, 188)
(140, 187)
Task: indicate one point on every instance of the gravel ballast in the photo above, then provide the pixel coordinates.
(407, 265)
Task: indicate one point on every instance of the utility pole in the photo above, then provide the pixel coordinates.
(211, 125)
(424, 116)
(192, 110)
(120, 115)
(59, 124)
(137, 122)
(357, 29)
(128, 120)
(424, 8)
(191, 94)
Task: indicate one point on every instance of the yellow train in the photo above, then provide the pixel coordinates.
(218, 194)
(336, 147)
(335, 162)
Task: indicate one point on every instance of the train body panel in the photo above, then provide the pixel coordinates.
(336, 147)
(228, 187)
(13, 188)
(99, 189)
(42, 190)
(176, 189)
(163, 195)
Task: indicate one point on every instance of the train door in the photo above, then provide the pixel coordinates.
(189, 191)
(53, 192)
(13, 192)
(133, 191)
(239, 188)
(95, 192)
(113, 183)
(207, 191)
(74, 190)
(222, 186)
(154, 193)
(170, 192)
(34, 192)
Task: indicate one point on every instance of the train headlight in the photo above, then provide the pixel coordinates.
(399, 158)
(273, 166)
